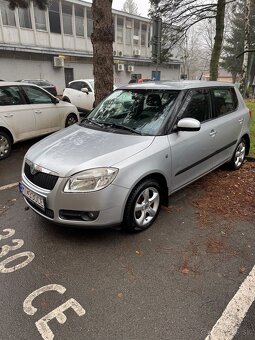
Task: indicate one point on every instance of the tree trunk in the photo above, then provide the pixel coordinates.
(220, 16)
(244, 84)
(102, 39)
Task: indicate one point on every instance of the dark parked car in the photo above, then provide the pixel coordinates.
(45, 84)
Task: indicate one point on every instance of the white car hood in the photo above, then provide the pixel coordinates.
(78, 148)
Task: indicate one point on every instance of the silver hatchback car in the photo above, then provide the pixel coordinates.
(138, 146)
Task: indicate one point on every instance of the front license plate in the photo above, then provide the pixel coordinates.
(35, 198)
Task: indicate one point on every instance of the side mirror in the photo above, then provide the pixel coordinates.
(55, 100)
(188, 124)
(85, 90)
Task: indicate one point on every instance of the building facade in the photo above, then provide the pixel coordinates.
(55, 45)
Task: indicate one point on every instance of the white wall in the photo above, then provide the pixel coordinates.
(15, 69)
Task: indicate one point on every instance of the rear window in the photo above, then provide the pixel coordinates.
(225, 101)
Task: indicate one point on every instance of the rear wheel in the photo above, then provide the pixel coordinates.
(143, 206)
(239, 156)
(71, 119)
(5, 145)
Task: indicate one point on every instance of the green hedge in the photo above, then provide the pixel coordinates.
(251, 106)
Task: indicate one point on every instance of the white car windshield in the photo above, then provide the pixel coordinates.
(140, 110)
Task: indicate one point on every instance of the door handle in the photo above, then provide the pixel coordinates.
(38, 111)
(213, 133)
(9, 115)
(240, 120)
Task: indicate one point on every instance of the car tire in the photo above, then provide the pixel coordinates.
(238, 156)
(71, 119)
(66, 99)
(142, 207)
(5, 145)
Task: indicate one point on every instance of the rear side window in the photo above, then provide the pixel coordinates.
(10, 96)
(37, 96)
(225, 101)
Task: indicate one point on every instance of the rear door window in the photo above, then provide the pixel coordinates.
(36, 95)
(225, 101)
(10, 95)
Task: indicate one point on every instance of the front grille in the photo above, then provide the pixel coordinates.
(41, 179)
(47, 212)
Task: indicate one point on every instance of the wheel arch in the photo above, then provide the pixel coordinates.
(248, 143)
(66, 99)
(162, 182)
(4, 129)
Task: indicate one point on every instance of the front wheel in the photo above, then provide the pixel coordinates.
(5, 145)
(71, 119)
(143, 206)
(239, 155)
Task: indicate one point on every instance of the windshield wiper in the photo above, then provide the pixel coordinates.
(90, 121)
(121, 127)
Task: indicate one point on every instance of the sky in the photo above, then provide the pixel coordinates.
(143, 6)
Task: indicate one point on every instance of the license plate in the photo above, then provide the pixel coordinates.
(32, 196)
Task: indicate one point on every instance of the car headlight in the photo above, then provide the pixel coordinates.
(91, 180)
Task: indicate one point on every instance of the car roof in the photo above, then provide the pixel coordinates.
(176, 85)
(9, 83)
(81, 80)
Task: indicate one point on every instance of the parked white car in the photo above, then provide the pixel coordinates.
(81, 94)
(28, 111)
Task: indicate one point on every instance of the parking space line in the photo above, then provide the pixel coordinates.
(232, 317)
(9, 186)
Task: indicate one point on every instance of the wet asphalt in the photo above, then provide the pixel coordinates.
(164, 283)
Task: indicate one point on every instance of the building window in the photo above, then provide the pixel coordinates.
(8, 16)
(89, 22)
(128, 31)
(120, 30)
(143, 34)
(40, 18)
(136, 37)
(79, 20)
(25, 18)
(54, 17)
(67, 11)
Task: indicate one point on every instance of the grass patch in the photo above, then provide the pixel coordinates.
(251, 105)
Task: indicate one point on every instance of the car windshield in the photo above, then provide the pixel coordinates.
(91, 82)
(140, 111)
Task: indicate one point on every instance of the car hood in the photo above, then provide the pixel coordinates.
(78, 148)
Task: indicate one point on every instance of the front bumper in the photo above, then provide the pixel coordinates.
(109, 202)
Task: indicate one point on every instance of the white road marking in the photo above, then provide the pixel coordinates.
(27, 304)
(57, 313)
(9, 186)
(230, 320)
(28, 254)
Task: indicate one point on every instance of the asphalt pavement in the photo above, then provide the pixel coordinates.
(172, 281)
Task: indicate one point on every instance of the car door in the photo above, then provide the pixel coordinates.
(228, 121)
(192, 151)
(47, 114)
(16, 113)
(87, 98)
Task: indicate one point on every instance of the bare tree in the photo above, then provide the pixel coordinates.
(24, 3)
(130, 7)
(244, 75)
(187, 13)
